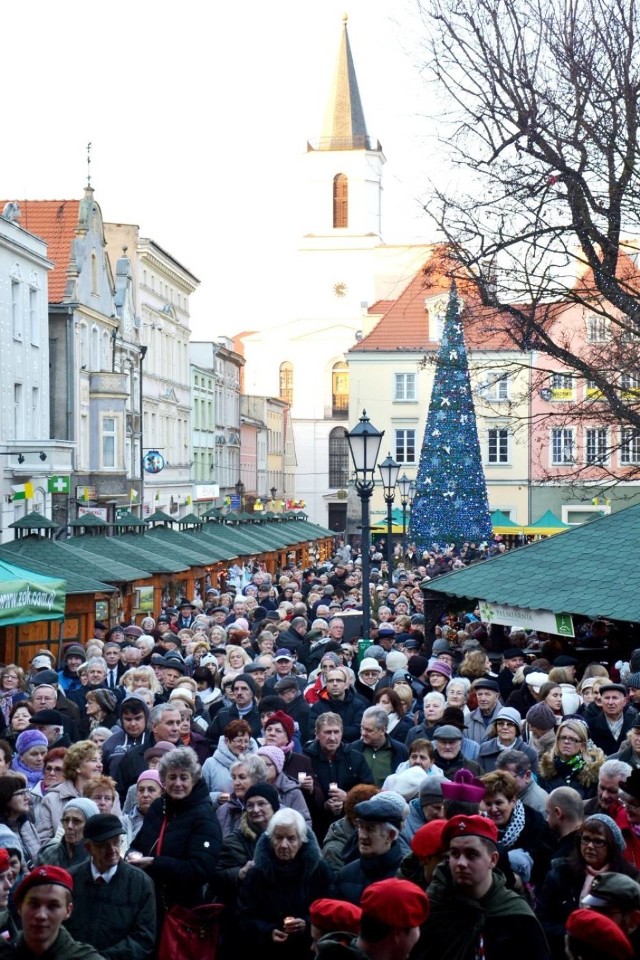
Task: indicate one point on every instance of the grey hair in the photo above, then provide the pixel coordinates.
(434, 697)
(286, 817)
(255, 765)
(97, 662)
(159, 711)
(615, 768)
(463, 682)
(180, 758)
(379, 716)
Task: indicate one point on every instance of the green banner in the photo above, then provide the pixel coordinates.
(27, 597)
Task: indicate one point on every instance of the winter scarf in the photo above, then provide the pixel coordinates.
(514, 828)
(33, 776)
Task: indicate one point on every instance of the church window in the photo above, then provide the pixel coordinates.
(286, 382)
(340, 200)
(338, 458)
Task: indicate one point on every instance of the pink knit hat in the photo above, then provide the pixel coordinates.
(275, 754)
(150, 775)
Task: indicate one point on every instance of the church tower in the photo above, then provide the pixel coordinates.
(344, 166)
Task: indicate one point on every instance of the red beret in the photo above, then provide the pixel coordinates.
(40, 876)
(475, 826)
(281, 717)
(427, 841)
(396, 903)
(600, 932)
(5, 860)
(334, 915)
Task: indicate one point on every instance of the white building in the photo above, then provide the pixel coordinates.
(162, 287)
(343, 266)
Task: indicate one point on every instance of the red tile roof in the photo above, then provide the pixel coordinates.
(54, 221)
(405, 324)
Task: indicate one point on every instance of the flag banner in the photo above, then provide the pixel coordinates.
(23, 491)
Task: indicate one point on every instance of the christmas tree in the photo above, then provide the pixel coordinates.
(451, 503)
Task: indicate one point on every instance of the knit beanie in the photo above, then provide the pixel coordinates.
(417, 665)
(611, 825)
(275, 754)
(329, 655)
(541, 717)
(86, 807)
(29, 739)
(396, 661)
(265, 790)
(284, 720)
(454, 716)
(150, 775)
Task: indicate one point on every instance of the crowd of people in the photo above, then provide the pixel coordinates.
(460, 791)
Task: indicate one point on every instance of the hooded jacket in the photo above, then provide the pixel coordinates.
(501, 923)
(216, 771)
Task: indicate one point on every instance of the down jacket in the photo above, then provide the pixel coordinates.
(554, 772)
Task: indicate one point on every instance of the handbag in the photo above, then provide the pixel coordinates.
(190, 933)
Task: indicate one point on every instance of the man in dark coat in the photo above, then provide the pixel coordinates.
(245, 707)
(343, 701)
(609, 728)
(381, 752)
(336, 769)
(379, 846)
(164, 721)
(114, 908)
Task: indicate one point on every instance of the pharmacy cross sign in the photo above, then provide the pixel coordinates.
(59, 484)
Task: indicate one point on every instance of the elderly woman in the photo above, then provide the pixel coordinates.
(458, 693)
(69, 851)
(82, 763)
(31, 748)
(274, 900)
(520, 828)
(236, 743)
(101, 710)
(12, 689)
(279, 730)
(573, 761)
(141, 677)
(599, 848)
(179, 840)
(504, 734)
(289, 792)
(51, 776)
(147, 789)
(433, 706)
(15, 814)
(244, 773)
(238, 849)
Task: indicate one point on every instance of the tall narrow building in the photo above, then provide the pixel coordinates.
(342, 268)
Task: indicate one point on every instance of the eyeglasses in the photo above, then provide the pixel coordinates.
(596, 842)
(20, 793)
(573, 740)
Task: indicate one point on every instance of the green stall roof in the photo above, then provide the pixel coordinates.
(129, 548)
(567, 574)
(33, 553)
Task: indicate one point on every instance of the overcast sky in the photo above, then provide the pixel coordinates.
(198, 114)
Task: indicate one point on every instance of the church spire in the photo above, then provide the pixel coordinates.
(344, 126)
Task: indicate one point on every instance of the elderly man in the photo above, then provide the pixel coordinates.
(114, 902)
(336, 767)
(245, 707)
(381, 752)
(44, 901)
(47, 696)
(378, 825)
(489, 706)
(611, 776)
(518, 764)
(609, 729)
(341, 700)
(447, 754)
(473, 914)
(283, 660)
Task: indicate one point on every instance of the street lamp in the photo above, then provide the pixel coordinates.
(364, 445)
(240, 488)
(404, 485)
(273, 492)
(389, 471)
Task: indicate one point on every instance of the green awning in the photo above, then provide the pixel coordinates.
(26, 597)
(546, 526)
(504, 525)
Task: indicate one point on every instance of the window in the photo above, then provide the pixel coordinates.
(562, 446)
(338, 458)
(340, 200)
(95, 349)
(629, 383)
(109, 442)
(405, 446)
(94, 274)
(498, 445)
(596, 445)
(593, 391)
(16, 314)
(286, 382)
(561, 386)
(34, 320)
(340, 390)
(497, 389)
(18, 412)
(35, 410)
(630, 446)
(596, 329)
(404, 387)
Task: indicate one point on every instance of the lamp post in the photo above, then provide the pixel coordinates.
(240, 491)
(364, 445)
(389, 471)
(404, 485)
